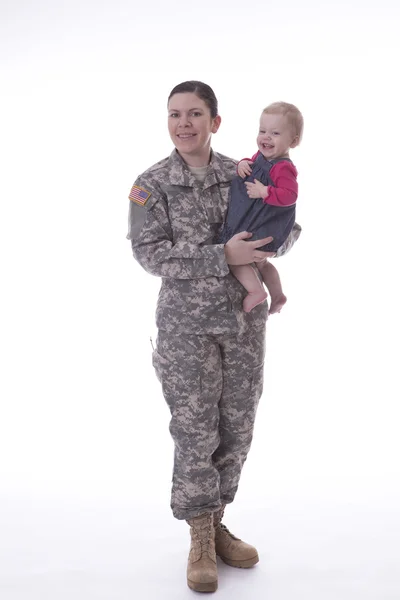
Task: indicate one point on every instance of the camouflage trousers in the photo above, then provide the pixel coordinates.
(212, 384)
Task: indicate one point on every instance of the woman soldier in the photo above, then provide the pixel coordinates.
(209, 354)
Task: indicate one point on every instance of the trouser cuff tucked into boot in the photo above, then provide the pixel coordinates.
(202, 573)
(232, 550)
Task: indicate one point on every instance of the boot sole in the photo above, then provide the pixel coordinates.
(240, 564)
(203, 587)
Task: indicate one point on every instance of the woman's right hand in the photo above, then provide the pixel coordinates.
(240, 252)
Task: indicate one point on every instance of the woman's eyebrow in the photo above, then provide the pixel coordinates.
(189, 109)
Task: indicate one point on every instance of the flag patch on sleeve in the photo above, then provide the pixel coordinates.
(139, 195)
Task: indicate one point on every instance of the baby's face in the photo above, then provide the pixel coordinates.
(275, 136)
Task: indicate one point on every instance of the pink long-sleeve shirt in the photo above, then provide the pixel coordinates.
(285, 188)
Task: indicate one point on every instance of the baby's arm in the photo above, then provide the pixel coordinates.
(284, 192)
(244, 166)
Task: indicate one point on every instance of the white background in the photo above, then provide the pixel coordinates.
(85, 452)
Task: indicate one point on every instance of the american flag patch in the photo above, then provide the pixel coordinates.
(139, 195)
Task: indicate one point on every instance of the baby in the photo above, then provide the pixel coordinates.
(269, 179)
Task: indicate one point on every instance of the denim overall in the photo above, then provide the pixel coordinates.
(254, 215)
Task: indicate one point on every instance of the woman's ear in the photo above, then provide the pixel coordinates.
(215, 124)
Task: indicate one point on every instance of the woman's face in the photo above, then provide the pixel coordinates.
(190, 126)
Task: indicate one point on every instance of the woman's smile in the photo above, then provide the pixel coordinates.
(185, 136)
(191, 126)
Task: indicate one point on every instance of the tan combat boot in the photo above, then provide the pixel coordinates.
(231, 549)
(202, 573)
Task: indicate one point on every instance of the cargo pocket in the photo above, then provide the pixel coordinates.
(181, 386)
(256, 392)
(158, 362)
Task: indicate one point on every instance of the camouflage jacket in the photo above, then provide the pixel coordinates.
(174, 222)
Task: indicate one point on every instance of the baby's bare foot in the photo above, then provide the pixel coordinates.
(253, 300)
(277, 303)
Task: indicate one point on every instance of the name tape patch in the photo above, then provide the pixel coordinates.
(139, 195)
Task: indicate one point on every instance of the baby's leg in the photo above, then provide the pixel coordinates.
(249, 279)
(272, 280)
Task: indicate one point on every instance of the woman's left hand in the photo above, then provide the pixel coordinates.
(256, 189)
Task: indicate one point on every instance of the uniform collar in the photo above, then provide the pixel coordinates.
(179, 174)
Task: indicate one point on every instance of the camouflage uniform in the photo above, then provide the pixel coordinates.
(209, 355)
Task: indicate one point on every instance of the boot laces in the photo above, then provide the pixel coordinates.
(224, 530)
(203, 535)
(219, 525)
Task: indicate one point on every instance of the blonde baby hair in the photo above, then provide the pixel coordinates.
(294, 116)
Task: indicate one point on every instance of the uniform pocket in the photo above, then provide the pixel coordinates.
(158, 363)
(181, 386)
(257, 383)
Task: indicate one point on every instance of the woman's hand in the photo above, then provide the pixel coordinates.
(256, 189)
(240, 252)
(244, 168)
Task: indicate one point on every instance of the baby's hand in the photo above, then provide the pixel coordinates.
(244, 168)
(256, 189)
